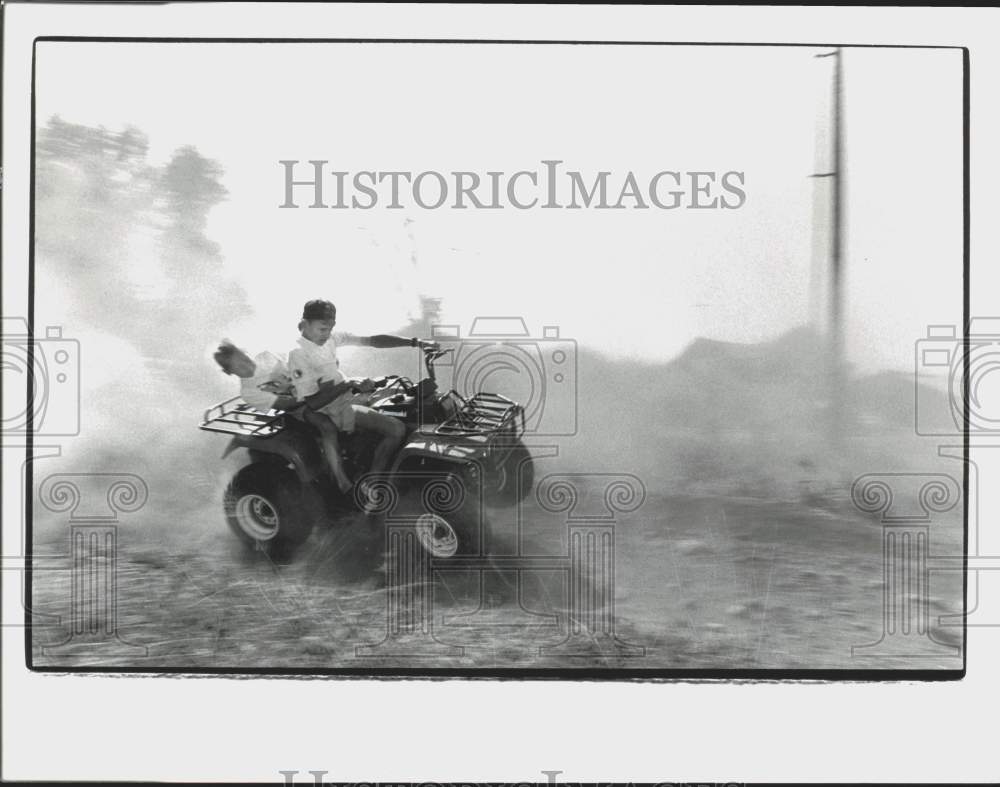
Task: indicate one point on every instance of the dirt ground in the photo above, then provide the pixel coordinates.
(699, 583)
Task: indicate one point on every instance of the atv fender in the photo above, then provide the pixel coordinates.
(419, 452)
(298, 450)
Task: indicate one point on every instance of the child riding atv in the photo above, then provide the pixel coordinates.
(456, 455)
(319, 383)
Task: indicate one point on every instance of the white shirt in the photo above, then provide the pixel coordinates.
(270, 379)
(309, 364)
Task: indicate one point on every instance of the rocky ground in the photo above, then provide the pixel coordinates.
(699, 583)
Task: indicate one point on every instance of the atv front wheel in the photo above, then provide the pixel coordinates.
(267, 508)
(448, 516)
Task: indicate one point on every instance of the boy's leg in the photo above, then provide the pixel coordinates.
(331, 447)
(390, 430)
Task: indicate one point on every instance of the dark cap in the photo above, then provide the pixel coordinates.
(319, 310)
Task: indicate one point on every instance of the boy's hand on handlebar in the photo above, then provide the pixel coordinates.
(365, 386)
(423, 344)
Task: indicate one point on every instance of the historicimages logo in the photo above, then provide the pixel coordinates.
(315, 184)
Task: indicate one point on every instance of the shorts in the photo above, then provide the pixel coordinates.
(341, 411)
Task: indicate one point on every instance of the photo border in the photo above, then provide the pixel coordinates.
(632, 674)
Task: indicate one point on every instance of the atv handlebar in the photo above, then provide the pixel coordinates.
(433, 351)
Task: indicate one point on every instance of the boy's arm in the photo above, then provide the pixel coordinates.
(327, 392)
(380, 341)
(270, 398)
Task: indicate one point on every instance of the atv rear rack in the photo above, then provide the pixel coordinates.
(236, 417)
(483, 414)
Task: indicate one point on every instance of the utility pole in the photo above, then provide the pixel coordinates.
(835, 331)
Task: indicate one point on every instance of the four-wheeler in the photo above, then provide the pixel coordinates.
(459, 455)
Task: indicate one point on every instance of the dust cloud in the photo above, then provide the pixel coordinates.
(721, 418)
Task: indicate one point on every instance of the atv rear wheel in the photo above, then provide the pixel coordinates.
(268, 509)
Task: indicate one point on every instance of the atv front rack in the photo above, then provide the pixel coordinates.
(483, 414)
(236, 417)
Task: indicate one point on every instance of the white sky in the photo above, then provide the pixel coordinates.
(626, 282)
